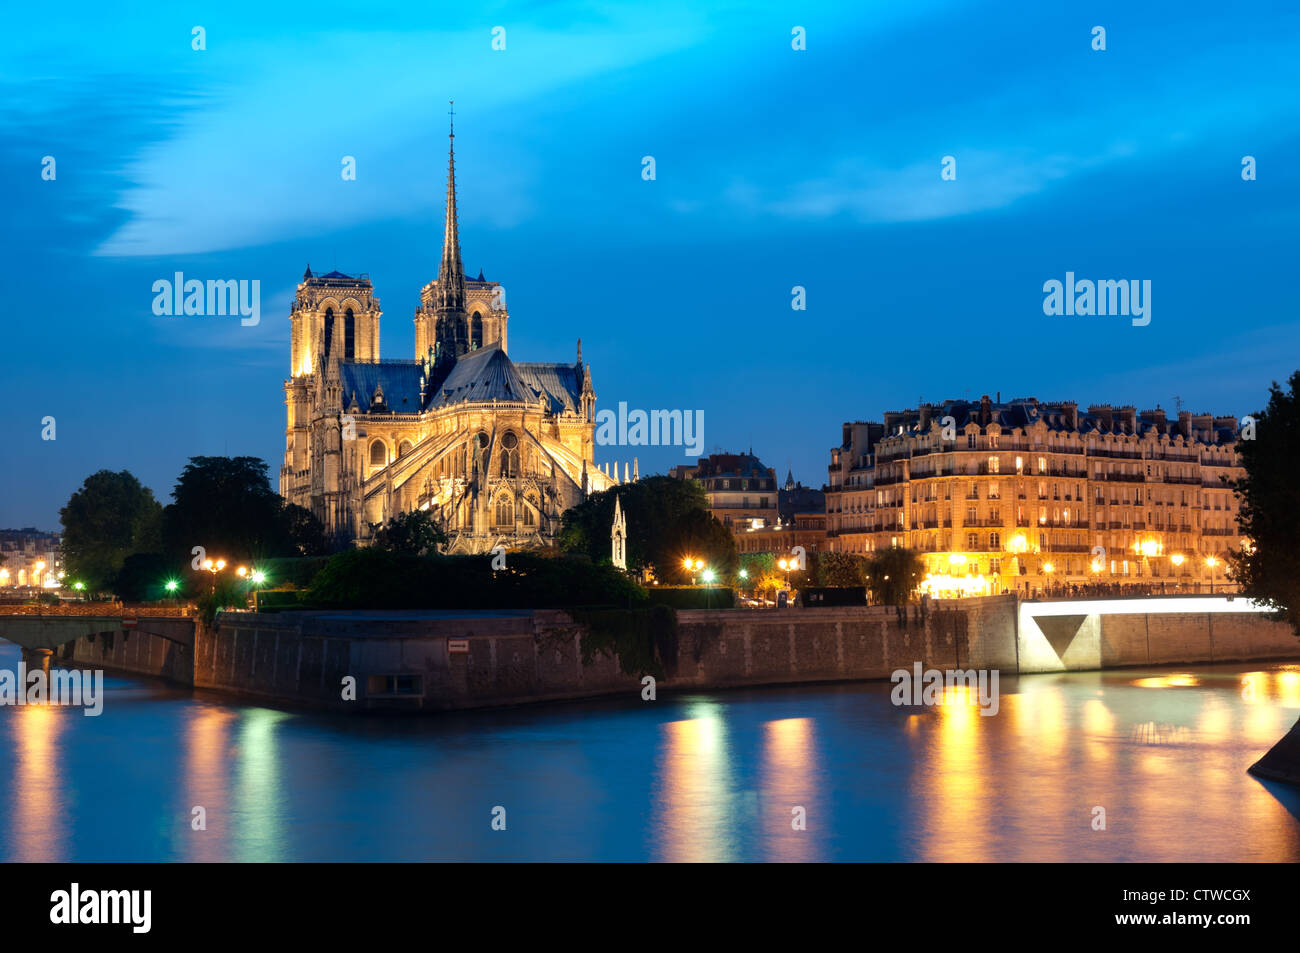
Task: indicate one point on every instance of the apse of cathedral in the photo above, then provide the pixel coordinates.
(495, 449)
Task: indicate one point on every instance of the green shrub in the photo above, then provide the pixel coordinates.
(374, 579)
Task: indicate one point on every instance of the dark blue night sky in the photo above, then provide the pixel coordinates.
(775, 168)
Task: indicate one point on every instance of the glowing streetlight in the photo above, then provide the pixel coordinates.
(241, 572)
(1211, 562)
(171, 585)
(259, 577)
(708, 575)
(1150, 548)
(1048, 567)
(1177, 559)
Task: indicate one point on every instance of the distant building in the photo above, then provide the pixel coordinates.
(742, 492)
(1028, 495)
(801, 521)
(31, 558)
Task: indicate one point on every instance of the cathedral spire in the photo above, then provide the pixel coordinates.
(451, 273)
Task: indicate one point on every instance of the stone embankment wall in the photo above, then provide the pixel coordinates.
(474, 659)
(160, 647)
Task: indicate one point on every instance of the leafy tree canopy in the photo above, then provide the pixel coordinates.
(893, 576)
(227, 506)
(411, 534)
(1269, 512)
(110, 517)
(667, 520)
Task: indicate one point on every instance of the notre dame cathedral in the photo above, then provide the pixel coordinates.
(496, 450)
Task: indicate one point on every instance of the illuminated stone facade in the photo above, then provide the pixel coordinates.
(1025, 496)
(496, 450)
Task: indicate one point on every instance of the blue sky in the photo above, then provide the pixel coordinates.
(774, 168)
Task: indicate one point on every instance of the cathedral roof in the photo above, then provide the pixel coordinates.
(482, 375)
(399, 381)
(559, 382)
(486, 374)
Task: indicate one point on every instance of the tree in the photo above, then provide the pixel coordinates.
(893, 576)
(411, 534)
(226, 505)
(841, 569)
(667, 520)
(1268, 569)
(144, 576)
(110, 517)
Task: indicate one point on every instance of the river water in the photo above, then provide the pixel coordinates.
(715, 776)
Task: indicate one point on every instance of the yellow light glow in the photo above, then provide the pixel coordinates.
(40, 564)
(1150, 547)
(1018, 543)
(242, 571)
(1211, 562)
(1048, 567)
(957, 559)
(1176, 559)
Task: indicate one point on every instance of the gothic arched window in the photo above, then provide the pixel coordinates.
(378, 454)
(530, 508)
(349, 336)
(329, 330)
(505, 510)
(475, 331)
(405, 448)
(509, 455)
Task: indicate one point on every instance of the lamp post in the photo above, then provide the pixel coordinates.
(1177, 560)
(1211, 562)
(214, 568)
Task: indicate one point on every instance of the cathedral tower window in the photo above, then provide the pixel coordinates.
(329, 330)
(349, 336)
(475, 331)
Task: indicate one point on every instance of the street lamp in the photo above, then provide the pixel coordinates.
(1211, 562)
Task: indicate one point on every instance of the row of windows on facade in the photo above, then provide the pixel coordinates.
(509, 453)
(994, 465)
(1068, 443)
(1118, 497)
(729, 483)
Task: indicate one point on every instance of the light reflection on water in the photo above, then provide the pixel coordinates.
(707, 777)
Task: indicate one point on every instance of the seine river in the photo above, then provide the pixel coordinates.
(701, 777)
